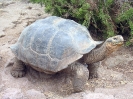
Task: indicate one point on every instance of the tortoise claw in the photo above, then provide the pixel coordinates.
(18, 73)
(93, 75)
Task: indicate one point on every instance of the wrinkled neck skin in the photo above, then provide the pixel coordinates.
(97, 54)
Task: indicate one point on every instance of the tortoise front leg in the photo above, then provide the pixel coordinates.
(18, 69)
(80, 76)
(93, 68)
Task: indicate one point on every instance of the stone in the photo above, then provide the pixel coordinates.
(98, 96)
(12, 93)
(2, 34)
(34, 94)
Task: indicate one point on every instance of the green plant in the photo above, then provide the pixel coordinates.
(77, 10)
(103, 19)
(125, 18)
(108, 17)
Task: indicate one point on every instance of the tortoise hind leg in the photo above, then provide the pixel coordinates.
(18, 69)
(80, 76)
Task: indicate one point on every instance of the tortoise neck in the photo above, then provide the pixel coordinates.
(97, 54)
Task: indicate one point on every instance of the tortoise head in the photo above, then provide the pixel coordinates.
(114, 43)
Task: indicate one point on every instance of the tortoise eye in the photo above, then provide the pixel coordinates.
(115, 38)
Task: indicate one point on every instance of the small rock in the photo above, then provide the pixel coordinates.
(2, 11)
(97, 96)
(123, 82)
(12, 93)
(1, 5)
(2, 34)
(39, 14)
(29, 7)
(34, 94)
(2, 87)
(0, 57)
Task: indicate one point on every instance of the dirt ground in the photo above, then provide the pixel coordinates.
(115, 73)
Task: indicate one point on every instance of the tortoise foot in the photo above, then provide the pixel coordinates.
(18, 70)
(18, 73)
(93, 75)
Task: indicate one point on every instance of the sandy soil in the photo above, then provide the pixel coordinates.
(115, 73)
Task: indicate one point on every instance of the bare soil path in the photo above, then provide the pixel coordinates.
(115, 73)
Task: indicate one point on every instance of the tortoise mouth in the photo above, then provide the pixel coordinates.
(118, 43)
(116, 40)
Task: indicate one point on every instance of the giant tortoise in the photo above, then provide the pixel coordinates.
(54, 44)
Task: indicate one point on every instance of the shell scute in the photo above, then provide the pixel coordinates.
(60, 43)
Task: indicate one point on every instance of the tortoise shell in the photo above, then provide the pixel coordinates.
(51, 44)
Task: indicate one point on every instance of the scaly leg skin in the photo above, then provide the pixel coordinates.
(18, 70)
(93, 70)
(80, 75)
